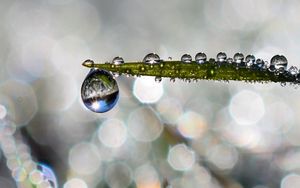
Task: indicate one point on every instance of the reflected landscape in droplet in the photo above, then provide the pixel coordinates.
(99, 91)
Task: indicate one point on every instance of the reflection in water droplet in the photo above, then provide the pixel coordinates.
(250, 59)
(158, 79)
(151, 58)
(200, 57)
(170, 58)
(221, 56)
(186, 58)
(99, 91)
(278, 63)
(117, 60)
(238, 58)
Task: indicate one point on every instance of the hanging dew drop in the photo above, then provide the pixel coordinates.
(99, 91)
(186, 58)
(221, 56)
(117, 60)
(200, 57)
(151, 58)
(158, 79)
(278, 63)
(238, 58)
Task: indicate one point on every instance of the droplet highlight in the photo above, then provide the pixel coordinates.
(99, 91)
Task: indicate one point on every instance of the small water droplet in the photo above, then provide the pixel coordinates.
(293, 70)
(187, 80)
(99, 91)
(200, 57)
(221, 56)
(283, 84)
(278, 63)
(170, 58)
(158, 79)
(266, 65)
(186, 58)
(230, 60)
(88, 63)
(172, 80)
(250, 59)
(259, 63)
(117, 60)
(238, 58)
(151, 58)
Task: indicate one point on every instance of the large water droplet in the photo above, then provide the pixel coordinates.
(186, 58)
(238, 58)
(151, 58)
(99, 91)
(278, 63)
(221, 56)
(117, 60)
(250, 59)
(200, 57)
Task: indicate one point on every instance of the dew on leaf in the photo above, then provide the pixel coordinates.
(186, 58)
(151, 58)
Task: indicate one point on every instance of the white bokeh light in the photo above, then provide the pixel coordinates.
(191, 125)
(290, 181)
(146, 176)
(247, 107)
(75, 183)
(147, 90)
(144, 124)
(118, 175)
(84, 158)
(112, 133)
(181, 157)
(223, 156)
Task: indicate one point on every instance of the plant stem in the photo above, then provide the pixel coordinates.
(210, 70)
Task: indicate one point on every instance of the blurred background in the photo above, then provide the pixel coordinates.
(206, 134)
